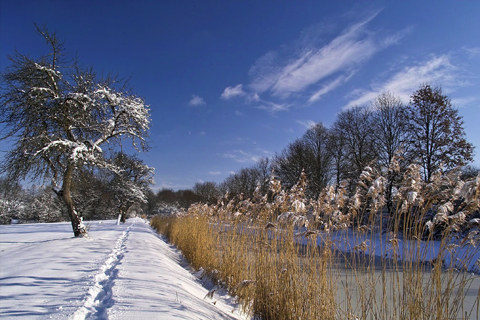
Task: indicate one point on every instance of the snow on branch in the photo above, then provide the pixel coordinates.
(128, 115)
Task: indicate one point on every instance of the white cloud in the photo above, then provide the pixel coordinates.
(238, 140)
(215, 173)
(472, 52)
(253, 97)
(273, 107)
(242, 156)
(464, 102)
(231, 92)
(196, 101)
(283, 76)
(327, 88)
(306, 123)
(436, 70)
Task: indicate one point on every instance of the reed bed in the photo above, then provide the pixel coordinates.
(338, 257)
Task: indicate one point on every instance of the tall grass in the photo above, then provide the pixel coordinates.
(340, 257)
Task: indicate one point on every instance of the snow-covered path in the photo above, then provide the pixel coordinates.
(119, 272)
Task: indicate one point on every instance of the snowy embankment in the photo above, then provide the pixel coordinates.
(118, 272)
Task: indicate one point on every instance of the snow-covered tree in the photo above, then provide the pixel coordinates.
(12, 198)
(43, 206)
(61, 116)
(130, 185)
(92, 194)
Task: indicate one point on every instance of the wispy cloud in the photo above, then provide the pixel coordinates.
(242, 156)
(436, 70)
(310, 67)
(196, 101)
(306, 123)
(239, 140)
(215, 173)
(231, 92)
(273, 107)
(247, 157)
(329, 87)
(472, 52)
(285, 75)
(465, 101)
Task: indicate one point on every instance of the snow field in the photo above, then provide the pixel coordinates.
(118, 272)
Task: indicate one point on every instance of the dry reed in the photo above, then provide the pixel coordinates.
(340, 257)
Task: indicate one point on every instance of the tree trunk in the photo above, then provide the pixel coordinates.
(124, 210)
(123, 218)
(77, 224)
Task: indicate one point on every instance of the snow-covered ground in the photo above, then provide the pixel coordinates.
(119, 272)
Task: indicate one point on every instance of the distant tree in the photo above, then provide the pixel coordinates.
(320, 159)
(91, 193)
(311, 154)
(437, 131)
(355, 128)
(149, 207)
(291, 162)
(44, 206)
(60, 115)
(469, 172)
(263, 171)
(390, 127)
(247, 180)
(167, 196)
(130, 185)
(391, 134)
(207, 191)
(186, 197)
(12, 200)
(242, 182)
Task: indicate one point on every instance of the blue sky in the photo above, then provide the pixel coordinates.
(229, 82)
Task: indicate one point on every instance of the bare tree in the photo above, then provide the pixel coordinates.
(390, 127)
(60, 116)
(355, 127)
(264, 170)
(437, 131)
(391, 134)
(320, 158)
(291, 162)
(207, 191)
(247, 180)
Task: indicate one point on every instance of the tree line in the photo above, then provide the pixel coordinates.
(386, 133)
